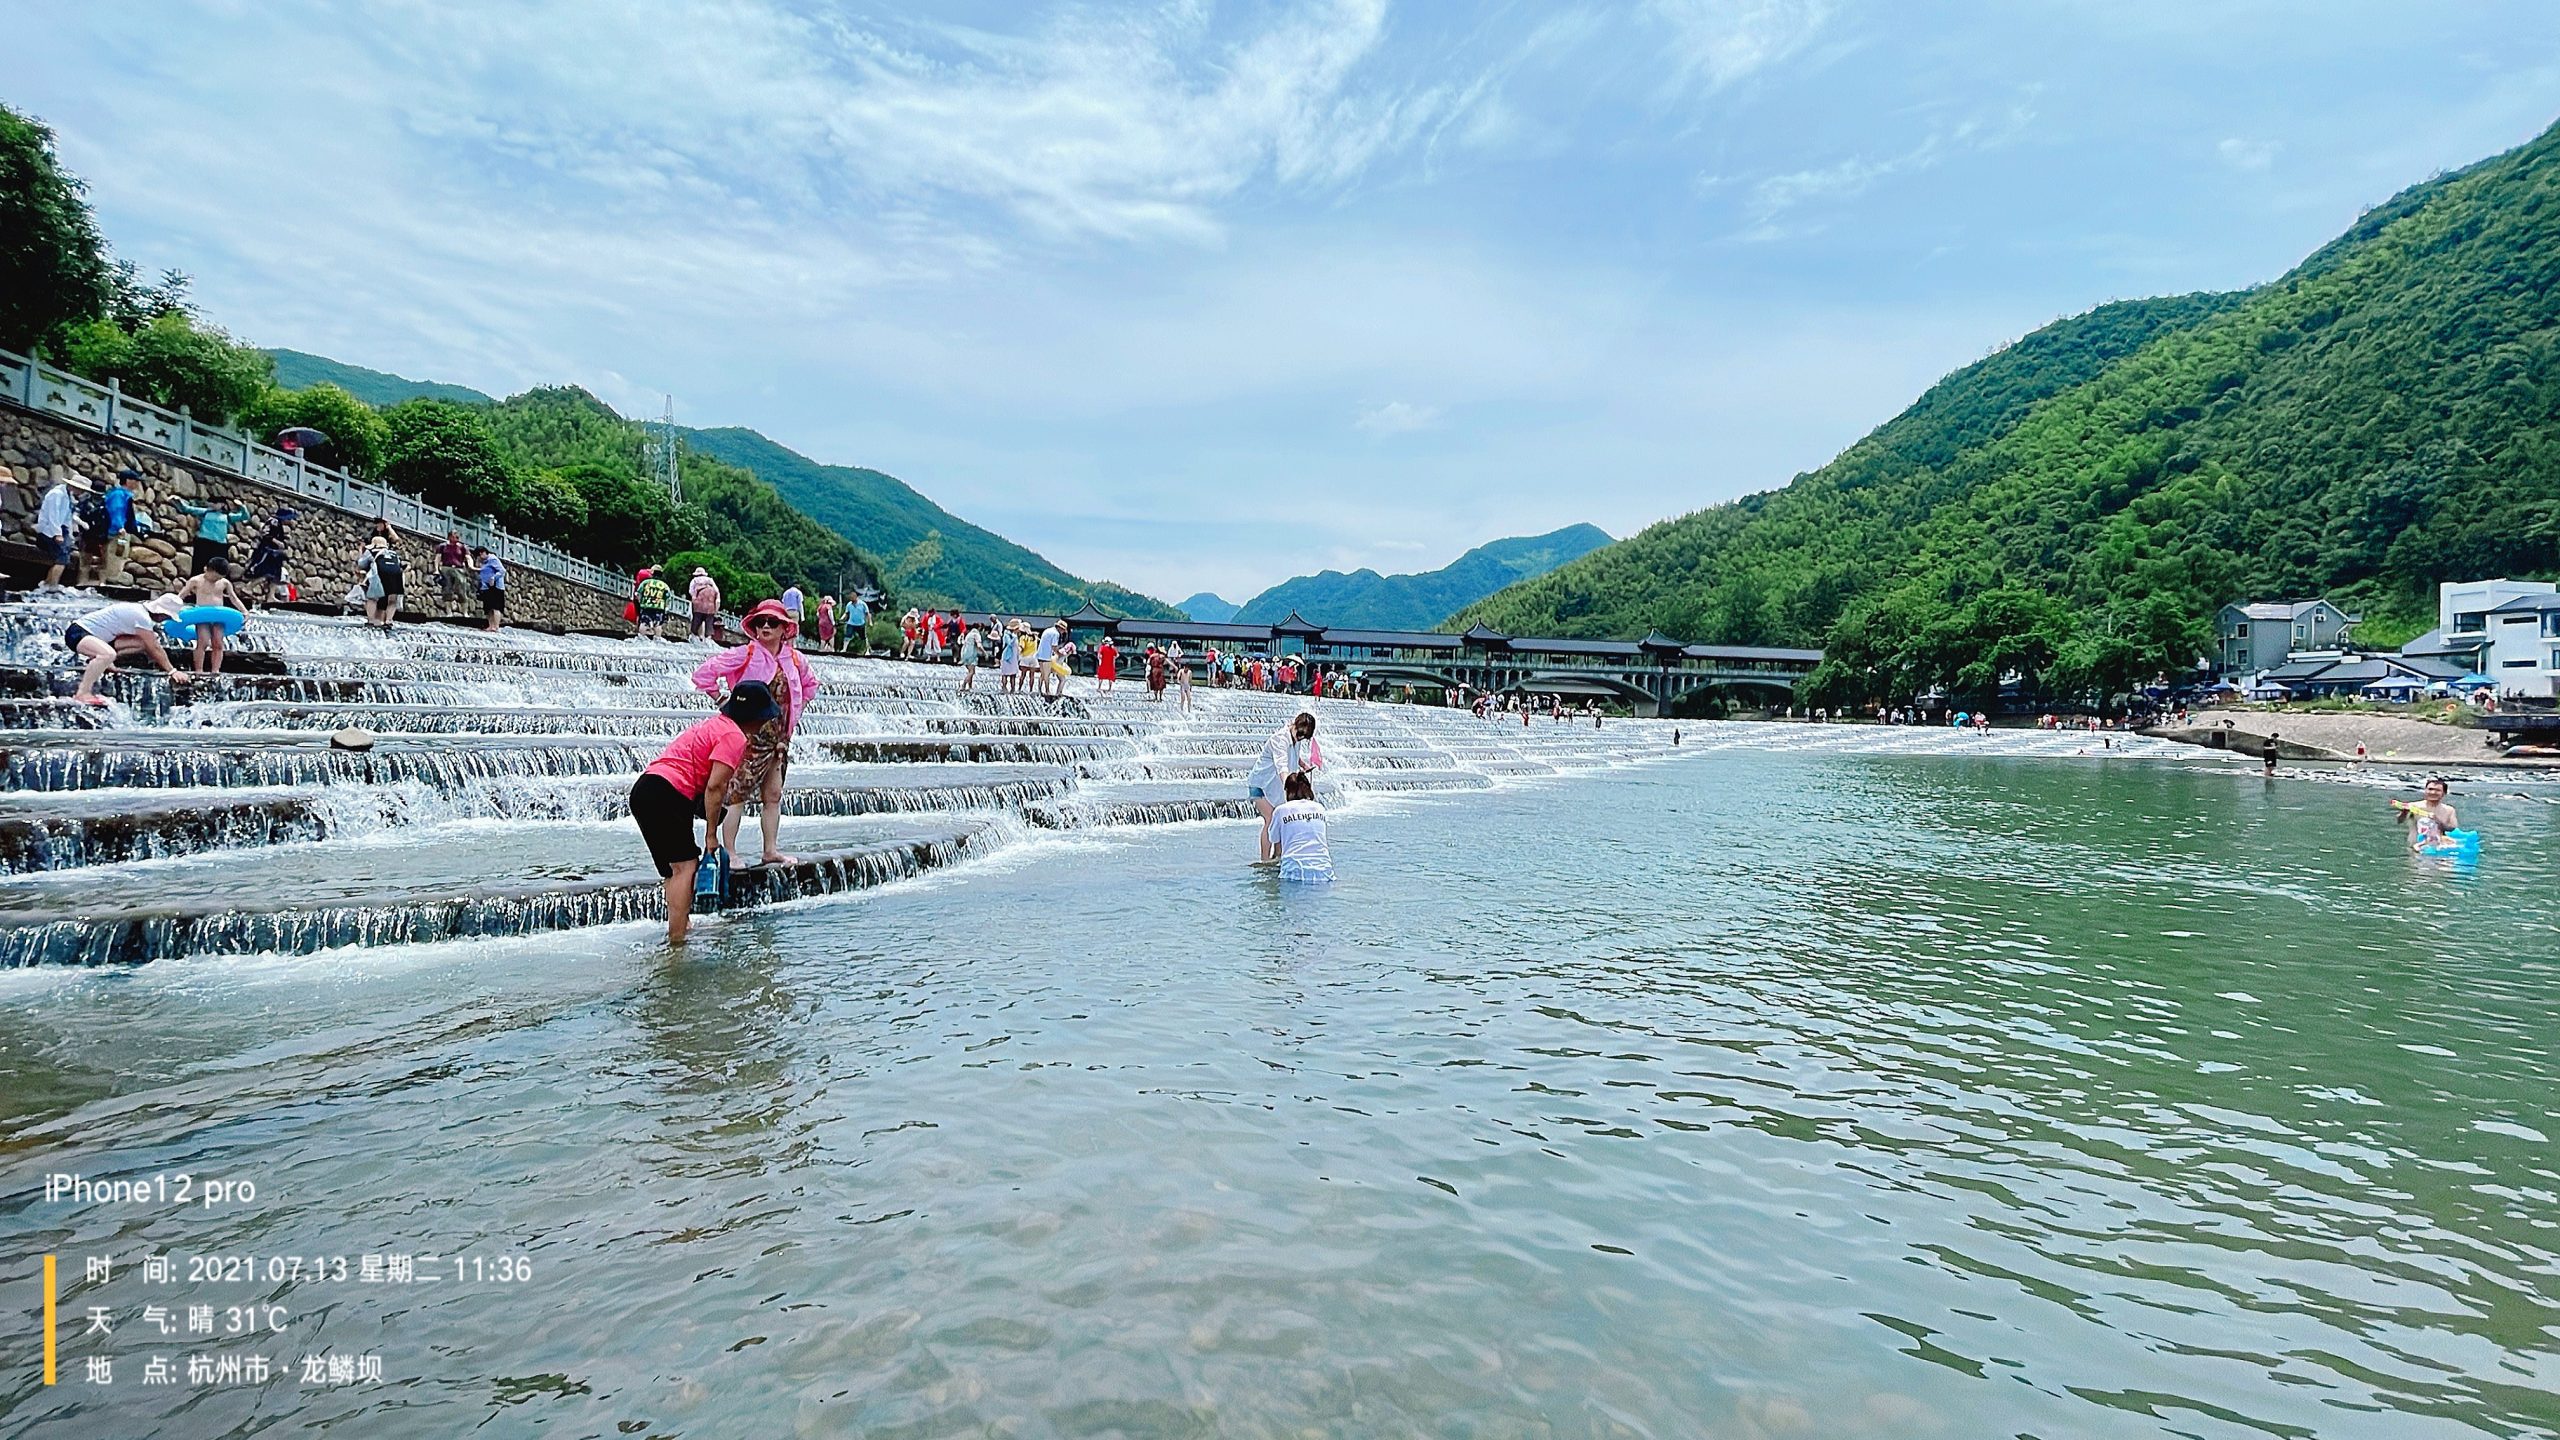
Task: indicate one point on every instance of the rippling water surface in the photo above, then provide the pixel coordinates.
(1741, 1095)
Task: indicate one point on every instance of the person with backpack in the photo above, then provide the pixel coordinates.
(106, 527)
(385, 579)
(493, 587)
(266, 557)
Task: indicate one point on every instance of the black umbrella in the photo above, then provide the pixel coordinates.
(300, 437)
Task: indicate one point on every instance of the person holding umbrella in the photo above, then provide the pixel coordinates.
(768, 658)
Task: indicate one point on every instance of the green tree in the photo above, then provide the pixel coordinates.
(53, 265)
(444, 453)
(732, 581)
(357, 436)
(629, 520)
(548, 507)
(172, 361)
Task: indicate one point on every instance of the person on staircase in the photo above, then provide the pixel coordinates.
(125, 628)
(385, 582)
(210, 586)
(213, 529)
(768, 658)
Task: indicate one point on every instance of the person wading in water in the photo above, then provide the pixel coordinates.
(1291, 750)
(2435, 819)
(768, 657)
(692, 779)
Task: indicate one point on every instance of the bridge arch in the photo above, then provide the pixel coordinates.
(1781, 689)
(1591, 683)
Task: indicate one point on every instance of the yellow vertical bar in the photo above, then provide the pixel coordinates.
(48, 1319)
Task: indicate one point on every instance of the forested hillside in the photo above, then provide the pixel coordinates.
(2075, 507)
(1365, 599)
(767, 544)
(928, 552)
(297, 370)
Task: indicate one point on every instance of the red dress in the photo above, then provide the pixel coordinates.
(1106, 662)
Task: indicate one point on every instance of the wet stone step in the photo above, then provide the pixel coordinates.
(1065, 750)
(111, 828)
(1086, 814)
(486, 720)
(199, 929)
(49, 714)
(162, 760)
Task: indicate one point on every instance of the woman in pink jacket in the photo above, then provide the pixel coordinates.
(768, 657)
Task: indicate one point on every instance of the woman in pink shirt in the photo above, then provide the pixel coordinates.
(689, 781)
(767, 657)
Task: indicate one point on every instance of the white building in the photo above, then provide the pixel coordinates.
(2509, 630)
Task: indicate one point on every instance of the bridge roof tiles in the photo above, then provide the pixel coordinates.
(1750, 652)
(1528, 645)
(1397, 639)
(1195, 630)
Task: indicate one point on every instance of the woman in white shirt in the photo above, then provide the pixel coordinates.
(125, 628)
(1292, 750)
(1298, 833)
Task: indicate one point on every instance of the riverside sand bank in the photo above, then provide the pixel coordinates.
(2304, 734)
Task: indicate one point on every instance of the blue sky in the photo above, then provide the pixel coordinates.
(1198, 296)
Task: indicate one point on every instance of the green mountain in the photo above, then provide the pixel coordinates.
(924, 552)
(1208, 609)
(2073, 508)
(296, 370)
(929, 553)
(1367, 600)
(565, 430)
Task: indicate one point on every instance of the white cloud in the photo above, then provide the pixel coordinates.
(1397, 417)
(1716, 43)
(2242, 154)
(1777, 194)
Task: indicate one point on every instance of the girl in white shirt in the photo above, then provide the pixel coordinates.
(1298, 832)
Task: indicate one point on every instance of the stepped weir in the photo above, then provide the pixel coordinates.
(217, 818)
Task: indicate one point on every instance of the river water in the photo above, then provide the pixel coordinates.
(1751, 1091)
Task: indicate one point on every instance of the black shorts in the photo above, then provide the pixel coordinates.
(493, 599)
(73, 634)
(666, 821)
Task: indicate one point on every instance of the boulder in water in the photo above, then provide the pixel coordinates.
(354, 737)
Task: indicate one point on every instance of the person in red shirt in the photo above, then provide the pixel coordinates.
(690, 781)
(1106, 666)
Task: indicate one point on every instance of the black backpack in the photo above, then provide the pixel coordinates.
(91, 512)
(386, 563)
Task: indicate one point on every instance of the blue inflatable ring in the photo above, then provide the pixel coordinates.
(184, 627)
(2455, 842)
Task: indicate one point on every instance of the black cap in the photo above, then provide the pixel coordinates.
(752, 704)
(128, 473)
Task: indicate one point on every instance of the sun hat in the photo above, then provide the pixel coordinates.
(752, 703)
(699, 572)
(771, 609)
(164, 606)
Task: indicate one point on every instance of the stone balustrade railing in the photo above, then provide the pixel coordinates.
(42, 388)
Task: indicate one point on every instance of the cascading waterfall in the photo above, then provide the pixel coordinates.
(219, 819)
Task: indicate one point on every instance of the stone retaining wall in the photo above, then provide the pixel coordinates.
(321, 546)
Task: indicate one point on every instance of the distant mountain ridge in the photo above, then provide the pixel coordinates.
(931, 554)
(1367, 600)
(1209, 609)
(296, 370)
(926, 553)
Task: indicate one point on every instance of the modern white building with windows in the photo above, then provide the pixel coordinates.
(2507, 630)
